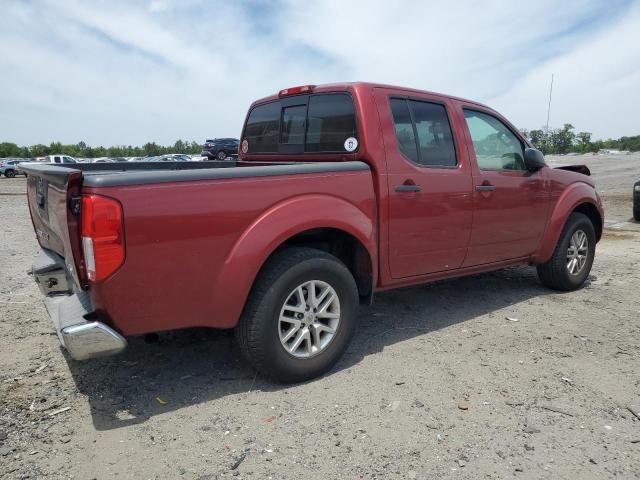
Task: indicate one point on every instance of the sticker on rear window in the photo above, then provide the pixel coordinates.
(350, 144)
(245, 146)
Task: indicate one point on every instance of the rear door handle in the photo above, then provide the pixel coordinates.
(408, 188)
(485, 188)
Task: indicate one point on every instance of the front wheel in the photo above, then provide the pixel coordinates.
(571, 262)
(300, 316)
(221, 155)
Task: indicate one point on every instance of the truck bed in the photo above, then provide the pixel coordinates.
(194, 232)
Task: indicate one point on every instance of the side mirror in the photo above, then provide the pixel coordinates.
(533, 159)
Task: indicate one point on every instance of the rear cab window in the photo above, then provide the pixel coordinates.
(316, 123)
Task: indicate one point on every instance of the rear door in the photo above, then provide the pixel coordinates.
(510, 203)
(430, 190)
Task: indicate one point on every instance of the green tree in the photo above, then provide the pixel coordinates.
(539, 140)
(583, 141)
(562, 140)
(8, 149)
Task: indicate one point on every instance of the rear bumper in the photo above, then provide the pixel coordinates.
(81, 337)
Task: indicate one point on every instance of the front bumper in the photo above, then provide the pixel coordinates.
(82, 337)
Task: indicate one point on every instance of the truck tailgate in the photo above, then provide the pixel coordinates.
(51, 191)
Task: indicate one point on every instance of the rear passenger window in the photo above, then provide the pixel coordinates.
(404, 128)
(331, 120)
(263, 127)
(496, 147)
(423, 132)
(435, 141)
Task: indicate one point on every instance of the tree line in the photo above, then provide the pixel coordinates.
(82, 150)
(559, 140)
(566, 140)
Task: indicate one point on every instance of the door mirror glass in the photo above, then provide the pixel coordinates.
(533, 159)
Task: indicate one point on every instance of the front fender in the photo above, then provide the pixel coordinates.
(279, 223)
(574, 195)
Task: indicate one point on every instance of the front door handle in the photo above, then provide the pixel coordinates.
(485, 188)
(408, 188)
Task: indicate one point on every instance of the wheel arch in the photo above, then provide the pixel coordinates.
(342, 245)
(591, 211)
(325, 222)
(580, 198)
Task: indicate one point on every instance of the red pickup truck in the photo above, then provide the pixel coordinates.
(339, 191)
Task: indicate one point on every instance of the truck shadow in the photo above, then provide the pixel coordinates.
(190, 367)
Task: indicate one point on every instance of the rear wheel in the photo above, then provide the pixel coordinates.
(221, 155)
(571, 262)
(9, 173)
(300, 316)
(636, 202)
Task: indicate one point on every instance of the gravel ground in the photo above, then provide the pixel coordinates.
(490, 376)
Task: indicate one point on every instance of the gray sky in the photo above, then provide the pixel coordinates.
(128, 72)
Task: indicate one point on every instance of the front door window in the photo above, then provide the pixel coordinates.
(496, 147)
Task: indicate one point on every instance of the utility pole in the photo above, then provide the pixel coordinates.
(549, 107)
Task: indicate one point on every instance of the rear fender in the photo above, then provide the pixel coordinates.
(275, 226)
(573, 196)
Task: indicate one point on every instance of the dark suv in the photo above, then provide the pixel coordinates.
(220, 148)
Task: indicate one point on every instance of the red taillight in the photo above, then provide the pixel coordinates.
(296, 90)
(102, 236)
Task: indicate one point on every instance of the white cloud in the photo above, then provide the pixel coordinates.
(596, 85)
(126, 73)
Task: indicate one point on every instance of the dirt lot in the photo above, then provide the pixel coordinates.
(491, 376)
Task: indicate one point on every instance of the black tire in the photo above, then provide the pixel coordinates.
(221, 155)
(258, 330)
(636, 203)
(554, 273)
(10, 173)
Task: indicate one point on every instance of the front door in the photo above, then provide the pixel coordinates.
(510, 203)
(429, 184)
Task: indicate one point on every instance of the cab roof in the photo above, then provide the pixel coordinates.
(366, 86)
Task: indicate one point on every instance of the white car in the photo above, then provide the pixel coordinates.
(59, 159)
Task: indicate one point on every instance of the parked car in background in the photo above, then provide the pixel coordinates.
(102, 160)
(173, 157)
(636, 201)
(220, 148)
(9, 168)
(345, 190)
(60, 159)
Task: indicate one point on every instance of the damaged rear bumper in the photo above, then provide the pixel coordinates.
(70, 311)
